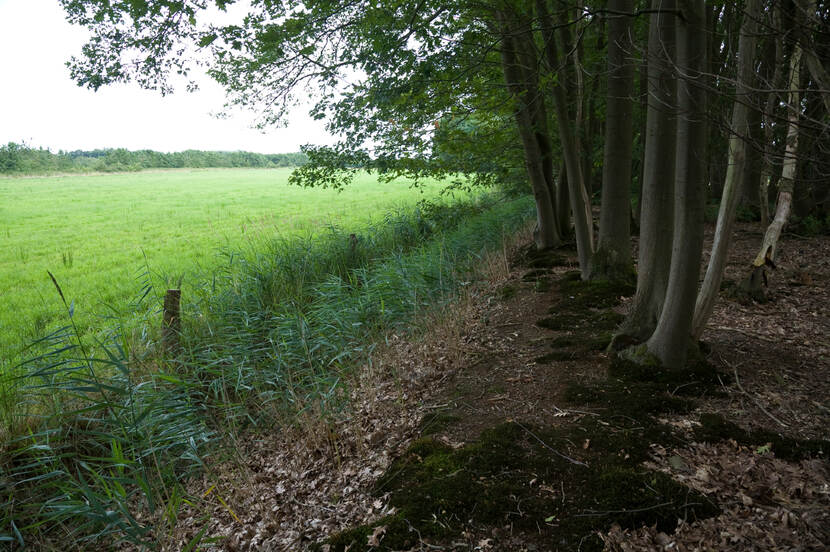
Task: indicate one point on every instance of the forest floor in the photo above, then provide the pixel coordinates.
(505, 426)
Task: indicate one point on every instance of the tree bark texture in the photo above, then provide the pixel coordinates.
(671, 337)
(785, 187)
(612, 259)
(656, 212)
(768, 118)
(735, 170)
(525, 90)
(580, 206)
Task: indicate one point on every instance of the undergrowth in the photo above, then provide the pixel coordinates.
(104, 438)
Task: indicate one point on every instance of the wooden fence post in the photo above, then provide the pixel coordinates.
(171, 325)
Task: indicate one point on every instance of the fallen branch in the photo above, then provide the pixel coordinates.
(556, 452)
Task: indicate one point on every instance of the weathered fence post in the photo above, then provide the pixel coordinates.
(171, 324)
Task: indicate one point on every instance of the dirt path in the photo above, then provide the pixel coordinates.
(489, 364)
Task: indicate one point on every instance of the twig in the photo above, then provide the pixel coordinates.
(592, 513)
(556, 452)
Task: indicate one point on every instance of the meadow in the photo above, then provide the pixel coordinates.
(106, 236)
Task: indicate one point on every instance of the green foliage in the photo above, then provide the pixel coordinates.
(96, 443)
(810, 225)
(17, 159)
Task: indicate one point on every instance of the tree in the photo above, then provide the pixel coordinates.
(656, 213)
(612, 259)
(735, 169)
(671, 337)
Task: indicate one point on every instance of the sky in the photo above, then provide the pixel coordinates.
(41, 106)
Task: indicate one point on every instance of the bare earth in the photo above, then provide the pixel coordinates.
(294, 487)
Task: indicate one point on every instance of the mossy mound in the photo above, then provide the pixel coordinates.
(592, 294)
(562, 485)
(590, 323)
(534, 274)
(507, 291)
(696, 378)
(437, 422)
(546, 258)
(572, 346)
(635, 401)
(715, 427)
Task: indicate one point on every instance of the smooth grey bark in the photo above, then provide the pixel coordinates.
(671, 338)
(656, 212)
(563, 205)
(736, 164)
(580, 206)
(612, 259)
(785, 187)
(526, 92)
(777, 82)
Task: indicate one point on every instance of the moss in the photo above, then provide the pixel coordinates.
(507, 291)
(556, 356)
(542, 285)
(592, 294)
(590, 322)
(622, 399)
(715, 427)
(546, 258)
(535, 274)
(437, 422)
(637, 365)
(598, 342)
(561, 484)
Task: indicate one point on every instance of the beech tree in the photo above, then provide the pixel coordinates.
(612, 259)
(657, 207)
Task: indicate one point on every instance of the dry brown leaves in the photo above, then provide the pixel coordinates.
(767, 504)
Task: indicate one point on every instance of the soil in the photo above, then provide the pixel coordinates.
(492, 431)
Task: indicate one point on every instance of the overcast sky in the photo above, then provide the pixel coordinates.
(40, 105)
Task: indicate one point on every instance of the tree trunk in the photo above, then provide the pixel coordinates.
(563, 204)
(768, 118)
(734, 172)
(670, 340)
(580, 206)
(612, 259)
(525, 92)
(656, 213)
(766, 256)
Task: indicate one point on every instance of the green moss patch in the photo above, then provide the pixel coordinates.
(715, 427)
(696, 378)
(635, 401)
(560, 484)
(437, 422)
(546, 258)
(587, 322)
(593, 294)
(535, 274)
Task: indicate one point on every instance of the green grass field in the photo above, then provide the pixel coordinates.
(99, 234)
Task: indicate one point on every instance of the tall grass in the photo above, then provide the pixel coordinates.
(105, 442)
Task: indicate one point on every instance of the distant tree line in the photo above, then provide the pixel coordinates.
(23, 159)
